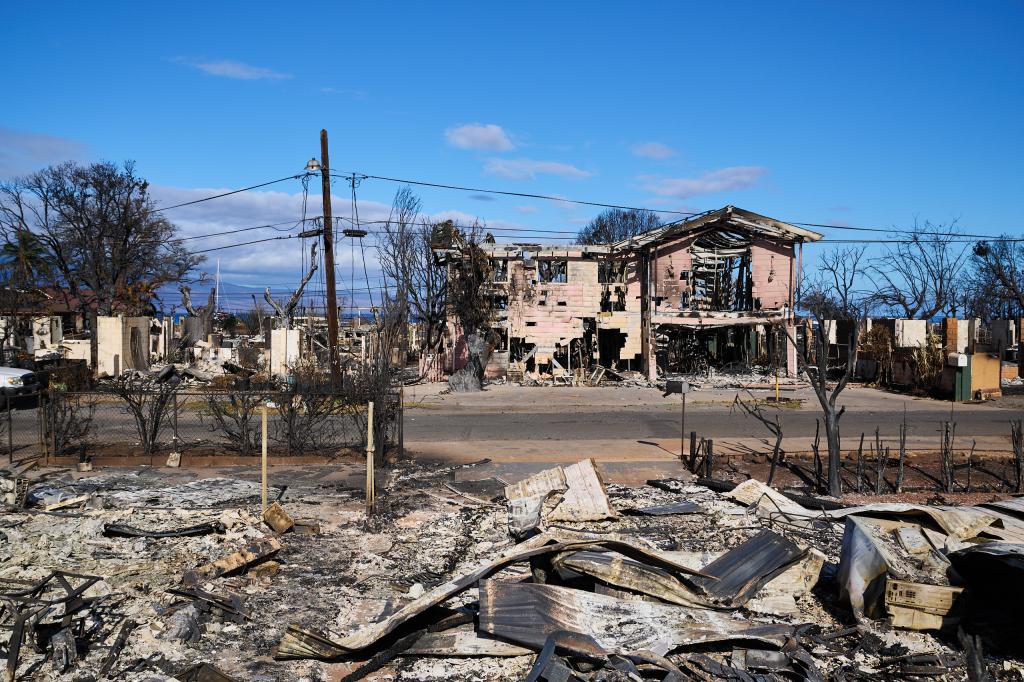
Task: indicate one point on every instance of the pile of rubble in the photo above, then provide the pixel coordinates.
(150, 576)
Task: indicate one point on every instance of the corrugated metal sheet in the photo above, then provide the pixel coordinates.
(527, 613)
(740, 572)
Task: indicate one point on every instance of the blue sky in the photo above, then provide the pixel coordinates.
(851, 113)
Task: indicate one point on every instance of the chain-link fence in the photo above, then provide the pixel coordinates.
(195, 422)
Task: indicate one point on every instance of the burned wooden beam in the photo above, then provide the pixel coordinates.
(118, 530)
(668, 509)
(255, 551)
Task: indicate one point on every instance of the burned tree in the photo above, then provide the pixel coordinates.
(148, 403)
(997, 280)
(616, 224)
(406, 257)
(285, 313)
(753, 408)
(199, 323)
(471, 301)
(109, 247)
(237, 416)
(919, 276)
(836, 306)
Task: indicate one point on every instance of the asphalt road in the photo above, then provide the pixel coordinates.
(637, 422)
(508, 415)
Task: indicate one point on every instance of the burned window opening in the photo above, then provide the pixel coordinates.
(499, 270)
(720, 277)
(552, 271)
(611, 272)
(686, 350)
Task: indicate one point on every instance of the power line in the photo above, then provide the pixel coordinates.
(256, 241)
(241, 229)
(226, 194)
(653, 210)
(524, 195)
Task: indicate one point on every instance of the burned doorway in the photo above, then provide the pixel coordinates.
(609, 346)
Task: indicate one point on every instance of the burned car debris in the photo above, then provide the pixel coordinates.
(188, 579)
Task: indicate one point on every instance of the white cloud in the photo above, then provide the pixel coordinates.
(481, 136)
(721, 180)
(527, 210)
(653, 150)
(22, 152)
(527, 169)
(227, 68)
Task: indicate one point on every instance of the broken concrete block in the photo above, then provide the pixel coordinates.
(174, 460)
(583, 497)
(183, 625)
(277, 518)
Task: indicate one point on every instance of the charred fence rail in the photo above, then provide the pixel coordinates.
(196, 422)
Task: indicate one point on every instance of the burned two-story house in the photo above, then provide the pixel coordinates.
(714, 290)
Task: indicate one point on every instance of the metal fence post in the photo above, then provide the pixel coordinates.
(10, 433)
(41, 422)
(369, 459)
(52, 422)
(176, 438)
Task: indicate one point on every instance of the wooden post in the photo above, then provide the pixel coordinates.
(693, 452)
(263, 464)
(41, 419)
(370, 493)
(709, 457)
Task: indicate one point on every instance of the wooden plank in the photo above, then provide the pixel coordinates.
(251, 553)
(912, 540)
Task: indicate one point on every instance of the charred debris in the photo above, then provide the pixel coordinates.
(461, 575)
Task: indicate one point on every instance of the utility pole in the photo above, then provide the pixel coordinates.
(332, 296)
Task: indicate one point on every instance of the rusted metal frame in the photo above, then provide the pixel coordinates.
(32, 593)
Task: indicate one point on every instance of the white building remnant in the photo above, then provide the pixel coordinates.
(123, 343)
(284, 350)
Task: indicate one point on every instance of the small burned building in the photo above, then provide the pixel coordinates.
(712, 290)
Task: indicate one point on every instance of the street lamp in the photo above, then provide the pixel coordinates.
(313, 165)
